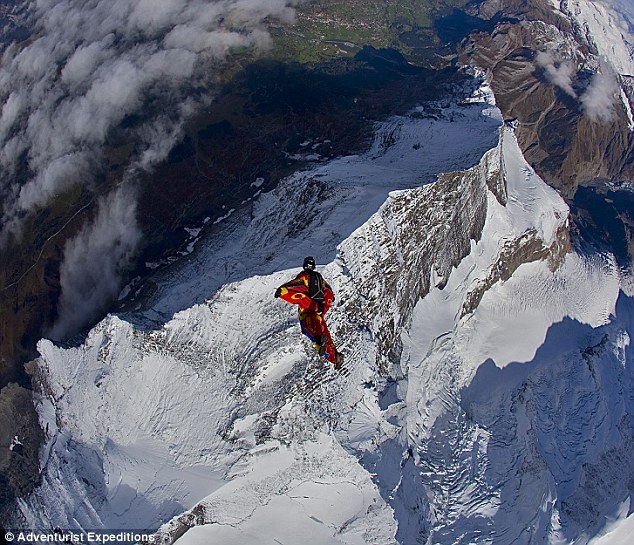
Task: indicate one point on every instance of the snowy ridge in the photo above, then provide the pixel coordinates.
(500, 428)
(215, 348)
(486, 390)
(608, 26)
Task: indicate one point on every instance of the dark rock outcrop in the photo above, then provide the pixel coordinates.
(20, 440)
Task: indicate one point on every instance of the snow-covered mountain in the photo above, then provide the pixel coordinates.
(247, 255)
(487, 391)
(606, 25)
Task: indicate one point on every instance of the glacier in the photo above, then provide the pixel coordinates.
(607, 25)
(487, 395)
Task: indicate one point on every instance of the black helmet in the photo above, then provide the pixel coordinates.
(309, 263)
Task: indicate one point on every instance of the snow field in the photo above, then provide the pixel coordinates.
(217, 411)
(164, 413)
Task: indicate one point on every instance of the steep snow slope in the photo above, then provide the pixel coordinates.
(141, 419)
(516, 407)
(608, 26)
(487, 395)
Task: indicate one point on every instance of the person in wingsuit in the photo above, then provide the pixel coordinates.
(314, 297)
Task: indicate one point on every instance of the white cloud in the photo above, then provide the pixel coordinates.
(58, 175)
(83, 62)
(89, 65)
(90, 274)
(153, 16)
(11, 110)
(158, 139)
(599, 98)
(558, 72)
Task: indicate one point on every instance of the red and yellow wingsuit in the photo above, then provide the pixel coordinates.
(312, 294)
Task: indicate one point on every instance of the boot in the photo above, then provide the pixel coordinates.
(338, 360)
(321, 342)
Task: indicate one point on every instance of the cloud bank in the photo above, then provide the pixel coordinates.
(90, 66)
(96, 62)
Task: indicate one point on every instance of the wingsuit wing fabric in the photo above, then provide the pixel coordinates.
(296, 295)
(314, 327)
(297, 292)
(329, 298)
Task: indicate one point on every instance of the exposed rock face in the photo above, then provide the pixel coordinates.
(428, 231)
(425, 231)
(20, 441)
(566, 146)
